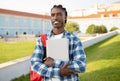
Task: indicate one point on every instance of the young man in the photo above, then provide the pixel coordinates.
(54, 69)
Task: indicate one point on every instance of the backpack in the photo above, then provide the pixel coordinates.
(34, 76)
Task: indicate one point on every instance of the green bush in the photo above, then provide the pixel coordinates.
(102, 29)
(92, 29)
(113, 28)
(72, 27)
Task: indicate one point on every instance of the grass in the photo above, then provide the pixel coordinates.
(13, 50)
(23, 78)
(103, 62)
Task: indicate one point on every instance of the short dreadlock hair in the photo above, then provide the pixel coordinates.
(60, 7)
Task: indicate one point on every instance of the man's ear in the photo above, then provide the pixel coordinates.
(65, 19)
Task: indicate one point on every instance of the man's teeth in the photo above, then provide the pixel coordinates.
(56, 22)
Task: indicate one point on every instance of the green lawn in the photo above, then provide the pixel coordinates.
(13, 50)
(103, 62)
(23, 78)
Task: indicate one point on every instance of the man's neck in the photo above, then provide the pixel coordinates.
(58, 31)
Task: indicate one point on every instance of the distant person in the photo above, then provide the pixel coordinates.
(54, 69)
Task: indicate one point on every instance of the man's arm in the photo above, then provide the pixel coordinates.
(38, 65)
(64, 70)
(78, 62)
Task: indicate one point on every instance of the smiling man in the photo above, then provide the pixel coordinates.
(54, 69)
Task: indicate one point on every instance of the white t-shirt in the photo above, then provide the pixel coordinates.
(59, 36)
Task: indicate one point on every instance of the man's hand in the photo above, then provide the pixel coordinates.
(48, 61)
(65, 71)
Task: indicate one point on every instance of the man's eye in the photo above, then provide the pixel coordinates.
(52, 15)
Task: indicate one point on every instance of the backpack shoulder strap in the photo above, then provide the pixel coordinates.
(43, 38)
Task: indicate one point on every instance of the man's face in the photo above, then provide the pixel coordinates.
(58, 17)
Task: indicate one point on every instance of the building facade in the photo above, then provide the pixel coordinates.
(14, 23)
(107, 18)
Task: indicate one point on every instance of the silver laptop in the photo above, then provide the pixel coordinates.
(58, 48)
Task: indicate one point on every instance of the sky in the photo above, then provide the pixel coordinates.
(44, 6)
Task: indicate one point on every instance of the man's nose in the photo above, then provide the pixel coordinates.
(55, 17)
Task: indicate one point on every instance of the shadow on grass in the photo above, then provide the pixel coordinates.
(106, 74)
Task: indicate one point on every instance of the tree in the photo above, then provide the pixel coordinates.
(113, 28)
(91, 29)
(102, 29)
(96, 29)
(72, 27)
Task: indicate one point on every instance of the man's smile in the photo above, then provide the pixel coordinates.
(56, 22)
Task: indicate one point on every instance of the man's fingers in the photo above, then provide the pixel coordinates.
(45, 58)
(66, 65)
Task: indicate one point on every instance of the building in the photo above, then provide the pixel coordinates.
(107, 18)
(95, 9)
(14, 23)
(114, 6)
(98, 14)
